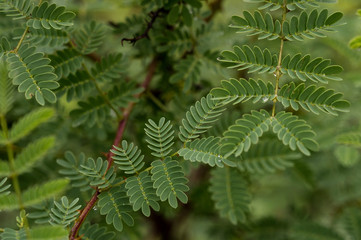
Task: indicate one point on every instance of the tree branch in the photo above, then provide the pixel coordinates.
(153, 17)
(118, 137)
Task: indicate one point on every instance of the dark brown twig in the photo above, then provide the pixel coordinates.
(153, 16)
(118, 137)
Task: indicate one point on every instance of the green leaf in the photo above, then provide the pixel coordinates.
(50, 16)
(187, 70)
(48, 37)
(230, 194)
(246, 131)
(310, 25)
(199, 118)
(4, 188)
(267, 157)
(128, 158)
(90, 37)
(297, 66)
(95, 232)
(205, 150)
(160, 137)
(29, 69)
(141, 193)
(312, 98)
(257, 24)
(76, 85)
(347, 156)
(187, 16)
(17, 9)
(115, 205)
(33, 153)
(311, 231)
(293, 132)
(173, 15)
(291, 4)
(64, 212)
(98, 172)
(11, 234)
(169, 181)
(65, 62)
(6, 90)
(351, 221)
(96, 109)
(29, 122)
(72, 170)
(48, 232)
(351, 139)
(34, 195)
(242, 90)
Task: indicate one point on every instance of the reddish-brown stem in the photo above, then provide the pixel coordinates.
(118, 138)
(84, 213)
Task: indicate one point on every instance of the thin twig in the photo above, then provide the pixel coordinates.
(278, 72)
(118, 137)
(153, 17)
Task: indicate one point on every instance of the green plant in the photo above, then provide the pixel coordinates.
(65, 63)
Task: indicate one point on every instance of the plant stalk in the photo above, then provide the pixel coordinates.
(278, 72)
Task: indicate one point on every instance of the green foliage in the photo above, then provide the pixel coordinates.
(3, 187)
(96, 109)
(98, 172)
(6, 91)
(347, 156)
(75, 85)
(351, 220)
(169, 180)
(29, 122)
(110, 68)
(17, 9)
(199, 118)
(291, 4)
(243, 90)
(48, 37)
(267, 157)
(294, 132)
(35, 194)
(296, 66)
(312, 99)
(28, 157)
(48, 232)
(205, 150)
(352, 139)
(141, 193)
(95, 232)
(115, 205)
(64, 213)
(50, 16)
(299, 27)
(311, 231)
(31, 71)
(89, 38)
(187, 70)
(72, 170)
(230, 194)
(355, 42)
(246, 131)
(160, 137)
(128, 158)
(11, 234)
(65, 62)
(103, 77)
